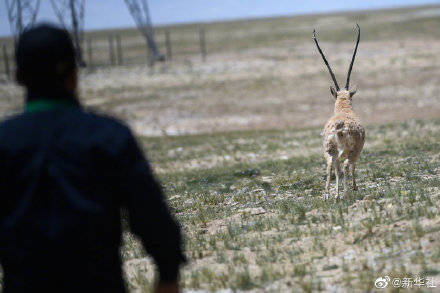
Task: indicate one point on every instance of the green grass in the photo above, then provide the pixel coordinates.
(263, 224)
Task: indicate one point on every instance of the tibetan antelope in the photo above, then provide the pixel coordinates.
(344, 135)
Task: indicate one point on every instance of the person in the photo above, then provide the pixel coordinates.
(65, 175)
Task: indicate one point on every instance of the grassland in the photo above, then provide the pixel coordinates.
(236, 143)
(254, 219)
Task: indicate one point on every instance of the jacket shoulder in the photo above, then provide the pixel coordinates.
(104, 120)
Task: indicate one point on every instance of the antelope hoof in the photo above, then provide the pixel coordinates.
(326, 196)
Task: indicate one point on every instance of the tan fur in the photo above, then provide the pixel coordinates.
(344, 138)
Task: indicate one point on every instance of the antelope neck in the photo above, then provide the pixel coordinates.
(343, 106)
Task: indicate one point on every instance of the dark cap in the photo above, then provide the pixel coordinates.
(45, 56)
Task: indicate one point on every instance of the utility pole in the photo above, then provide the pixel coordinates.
(73, 12)
(140, 12)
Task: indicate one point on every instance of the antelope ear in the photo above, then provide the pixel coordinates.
(352, 91)
(333, 91)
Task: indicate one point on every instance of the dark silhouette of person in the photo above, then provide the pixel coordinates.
(65, 175)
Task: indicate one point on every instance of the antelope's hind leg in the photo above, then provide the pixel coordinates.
(346, 172)
(336, 161)
(353, 178)
(329, 172)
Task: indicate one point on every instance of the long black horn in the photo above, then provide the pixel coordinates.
(325, 61)
(354, 56)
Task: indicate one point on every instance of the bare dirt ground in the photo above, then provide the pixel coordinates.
(267, 88)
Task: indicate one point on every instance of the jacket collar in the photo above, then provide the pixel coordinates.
(46, 101)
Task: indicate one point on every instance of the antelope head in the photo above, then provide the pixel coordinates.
(341, 94)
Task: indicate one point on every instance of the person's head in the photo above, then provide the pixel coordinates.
(46, 59)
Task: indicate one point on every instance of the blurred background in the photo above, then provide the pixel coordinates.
(231, 65)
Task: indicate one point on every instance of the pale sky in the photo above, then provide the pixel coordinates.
(114, 13)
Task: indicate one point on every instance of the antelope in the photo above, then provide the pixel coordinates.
(344, 135)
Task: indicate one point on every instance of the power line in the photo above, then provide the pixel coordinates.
(140, 12)
(70, 14)
(21, 13)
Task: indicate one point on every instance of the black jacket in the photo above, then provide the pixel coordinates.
(65, 174)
